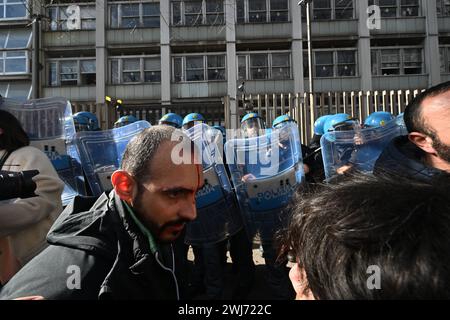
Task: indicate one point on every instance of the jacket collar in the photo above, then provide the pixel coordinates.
(143, 242)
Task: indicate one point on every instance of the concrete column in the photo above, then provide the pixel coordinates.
(165, 53)
(364, 57)
(37, 55)
(297, 47)
(431, 44)
(101, 63)
(230, 19)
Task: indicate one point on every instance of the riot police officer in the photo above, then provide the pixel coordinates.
(85, 121)
(192, 119)
(171, 119)
(378, 119)
(125, 120)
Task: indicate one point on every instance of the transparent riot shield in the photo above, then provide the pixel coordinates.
(401, 123)
(284, 131)
(49, 125)
(218, 215)
(100, 152)
(266, 171)
(355, 150)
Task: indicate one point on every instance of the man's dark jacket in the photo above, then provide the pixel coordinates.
(403, 158)
(98, 240)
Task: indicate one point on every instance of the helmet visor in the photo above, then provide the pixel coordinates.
(252, 126)
(81, 127)
(190, 124)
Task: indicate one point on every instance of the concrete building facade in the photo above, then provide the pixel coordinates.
(186, 55)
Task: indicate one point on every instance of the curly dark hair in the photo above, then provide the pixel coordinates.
(13, 136)
(401, 226)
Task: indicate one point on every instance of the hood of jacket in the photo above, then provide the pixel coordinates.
(103, 227)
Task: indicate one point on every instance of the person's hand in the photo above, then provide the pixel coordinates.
(30, 298)
(357, 139)
(306, 169)
(343, 169)
(248, 177)
(282, 146)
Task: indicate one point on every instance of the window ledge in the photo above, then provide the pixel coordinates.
(284, 79)
(337, 77)
(401, 75)
(264, 23)
(125, 28)
(69, 30)
(198, 82)
(133, 83)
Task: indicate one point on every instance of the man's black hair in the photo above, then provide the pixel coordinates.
(13, 136)
(413, 112)
(398, 225)
(141, 149)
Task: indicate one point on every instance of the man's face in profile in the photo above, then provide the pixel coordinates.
(436, 115)
(166, 201)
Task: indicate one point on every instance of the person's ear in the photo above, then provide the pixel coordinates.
(423, 141)
(124, 185)
(299, 282)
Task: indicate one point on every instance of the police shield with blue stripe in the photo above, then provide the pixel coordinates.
(265, 171)
(347, 146)
(218, 216)
(49, 125)
(100, 153)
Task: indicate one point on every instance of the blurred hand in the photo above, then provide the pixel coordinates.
(31, 298)
(248, 177)
(343, 169)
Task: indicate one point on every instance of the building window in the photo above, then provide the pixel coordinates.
(150, 15)
(330, 10)
(194, 69)
(412, 61)
(343, 9)
(15, 62)
(131, 70)
(324, 64)
(262, 11)
(397, 61)
(257, 11)
(332, 63)
(264, 65)
(87, 72)
(13, 9)
(152, 70)
(214, 12)
(68, 73)
(73, 17)
(281, 66)
(242, 68)
(200, 12)
(397, 8)
(134, 15)
(138, 69)
(322, 10)
(443, 8)
(14, 89)
(346, 63)
(259, 66)
(216, 67)
(445, 59)
(199, 68)
(14, 55)
(71, 72)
